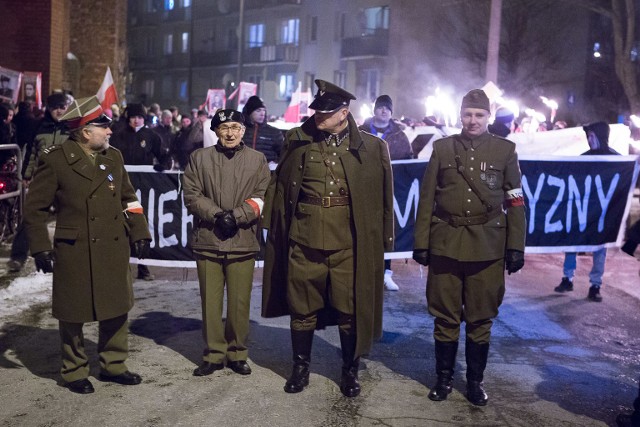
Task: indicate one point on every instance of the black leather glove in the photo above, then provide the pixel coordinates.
(44, 261)
(159, 167)
(421, 256)
(225, 223)
(514, 260)
(142, 248)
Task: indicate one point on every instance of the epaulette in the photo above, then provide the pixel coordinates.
(51, 148)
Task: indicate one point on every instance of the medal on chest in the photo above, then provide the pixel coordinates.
(111, 185)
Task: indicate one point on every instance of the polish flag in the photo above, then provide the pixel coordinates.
(107, 93)
(298, 107)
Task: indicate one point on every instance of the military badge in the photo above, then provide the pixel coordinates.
(143, 143)
(492, 180)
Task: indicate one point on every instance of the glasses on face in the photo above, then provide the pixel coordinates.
(232, 128)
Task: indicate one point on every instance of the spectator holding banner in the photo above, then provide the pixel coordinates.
(224, 188)
(470, 225)
(598, 139)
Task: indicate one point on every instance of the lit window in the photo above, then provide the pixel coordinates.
(168, 44)
(169, 4)
(289, 31)
(313, 29)
(149, 86)
(285, 86)
(185, 42)
(186, 3)
(256, 35)
(376, 18)
(182, 90)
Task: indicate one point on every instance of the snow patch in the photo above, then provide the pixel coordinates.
(24, 292)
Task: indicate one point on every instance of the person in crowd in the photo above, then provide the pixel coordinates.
(260, 135)
(503, 122)
(50, 131)
(383, 126)
(470, 225)
(224, 188)
(139, 145)
(165, 131)
(97, 214)
(153, 115)
(26, 125)
(182, 146)
(175, 119)
(598, 139)
(329, 212)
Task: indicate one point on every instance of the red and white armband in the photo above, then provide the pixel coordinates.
(513, 198)
(256, 204)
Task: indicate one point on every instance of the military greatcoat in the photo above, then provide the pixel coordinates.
(369, 177)
(91, 277)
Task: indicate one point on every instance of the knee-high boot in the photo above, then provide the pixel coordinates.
(301, 342)
(349, 384)
(633, 419)
(476, 355)
(445, 362)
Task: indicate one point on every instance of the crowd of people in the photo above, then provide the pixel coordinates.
(328, 209)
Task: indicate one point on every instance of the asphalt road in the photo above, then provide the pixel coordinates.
(555, 360)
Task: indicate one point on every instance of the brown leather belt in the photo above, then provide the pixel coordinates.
(326, 202)
(458, 221)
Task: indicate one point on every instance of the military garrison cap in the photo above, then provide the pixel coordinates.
(85, 111)
(330, 97)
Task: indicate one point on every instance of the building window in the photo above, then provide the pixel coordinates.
(169, 4)
(186, 3)
(167, 91)
(168, 44)
(232, 39)
(289, 31)
(285, 85)
(149, 46)
(257, 79)
(340, 78)
(182, 90)
(148, 87)
(376, 18)
(371, 81)
(342, 26)
(255, 35)
(313, 29)
(150, 6)
(309, 79)
(185, 42)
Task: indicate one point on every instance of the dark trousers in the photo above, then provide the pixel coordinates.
(20, 245)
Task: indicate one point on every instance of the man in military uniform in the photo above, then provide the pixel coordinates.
(329, 211)
(97, 214)
(470, 222)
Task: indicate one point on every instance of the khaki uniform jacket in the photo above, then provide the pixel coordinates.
(213, 183)
(91, 277)
(369, 178)
(492, 162)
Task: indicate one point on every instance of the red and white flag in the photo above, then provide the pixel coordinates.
(299, 106)
(107, 94)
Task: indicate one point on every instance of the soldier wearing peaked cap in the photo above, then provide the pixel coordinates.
(98, 214)
(470, 225)
(329, 212)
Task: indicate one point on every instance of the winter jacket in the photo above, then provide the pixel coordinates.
(212, 183)
(49, 132)
(264, 138)
(399, 146)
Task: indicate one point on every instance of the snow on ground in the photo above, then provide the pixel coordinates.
(24, 292)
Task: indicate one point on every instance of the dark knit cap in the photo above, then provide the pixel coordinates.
(601, 129)
(384, 101)
(476, 98)
(253, 103)
(56, 100)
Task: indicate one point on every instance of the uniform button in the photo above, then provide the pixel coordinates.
(335, 154)
(333, 144)
(94, 240)
(331, 193)
(294, 183)
(93, 218)
(300, 167)
(468, 200)
(115, 217)
(331, 183)
(472, 158)
(311, 157)
(471, 168)
(333, 163)
(390, 238)
(468, 213)
(473, 149)
(469, 190)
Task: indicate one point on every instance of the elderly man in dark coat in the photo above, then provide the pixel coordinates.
(329, 211)
(98, 214)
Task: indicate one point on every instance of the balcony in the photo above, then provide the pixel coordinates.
(279, 53)
(143, 62)
(178, 60)
(366, 46)
(178, 14)
(211, 59)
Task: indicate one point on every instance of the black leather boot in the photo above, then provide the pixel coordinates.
(633, 419)
(349, 384)
(476, 355)
(445, 362)
(301, 344)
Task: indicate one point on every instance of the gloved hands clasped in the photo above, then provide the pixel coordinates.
(225, 224)
(421, 256)
(44, 261)
(514, 260)
(142, 248)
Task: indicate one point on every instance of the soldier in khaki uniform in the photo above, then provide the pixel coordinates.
(329, 211)
(97, 215)
(470, 222)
